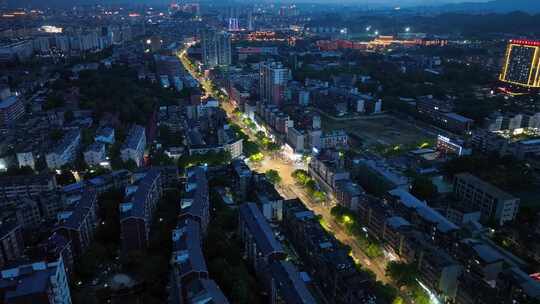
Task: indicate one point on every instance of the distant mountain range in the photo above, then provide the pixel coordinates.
(466, 6)
(495, 6)
(69, 3)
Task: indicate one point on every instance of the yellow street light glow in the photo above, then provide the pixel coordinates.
(347, 219)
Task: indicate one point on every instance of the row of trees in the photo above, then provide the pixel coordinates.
(347, 218)
(302, 177)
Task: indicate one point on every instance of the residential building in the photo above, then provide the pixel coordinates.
(65, 151)
(26, 159)
(105, 135)
(440, 272)
(134, 145)
(349, 194)
(377, 175)
(216, 48)
(78, 223)
(260, 245)
(11, 107)
(439, 229)
(493, 203)
(328, 261)
(287, 286)
(137, 210)
(19, 50)
(195, 202)
(12, 187)
(39, 283)
(327, 170)
(273, 82)
(334, 139)
(440, 113)
(242, 178)
(296, 139)
(95, 154)
(268, 199)
(27, 212)
(11, 241)
(190, 282)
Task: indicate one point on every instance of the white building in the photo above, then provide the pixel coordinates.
(32, 283)
(105, 135)
(65, 151)
(133, 147)
(26, 159)
(95, 154)
(296, 139)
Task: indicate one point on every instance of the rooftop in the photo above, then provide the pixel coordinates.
(292, 287)
(187, 253)
(260, 229)
(485, 186)
(134, 137)
(138, 200)
(26, 280)
(423, 210)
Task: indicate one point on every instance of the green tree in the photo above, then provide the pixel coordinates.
(301, 176)
(273, 176)
(423, 188)
(402, 274)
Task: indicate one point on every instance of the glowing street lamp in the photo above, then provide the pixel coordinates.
(407, 29)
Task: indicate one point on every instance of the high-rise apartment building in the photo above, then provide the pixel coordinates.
(216, 48)
(273, 82)
(522, 63)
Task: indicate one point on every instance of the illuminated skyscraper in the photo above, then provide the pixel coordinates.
(522, 63)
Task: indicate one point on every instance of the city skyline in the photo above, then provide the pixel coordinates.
(315, 152)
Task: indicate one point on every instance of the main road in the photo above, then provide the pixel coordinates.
(288, 187)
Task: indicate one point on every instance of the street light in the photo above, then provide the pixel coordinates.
(407, 29)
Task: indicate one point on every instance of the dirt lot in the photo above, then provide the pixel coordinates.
(379, 130)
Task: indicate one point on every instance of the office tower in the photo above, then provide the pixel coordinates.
(250, 21)
(522, 63)
(233, 25)
(233, 20)
(216, 48)
(273, 82)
